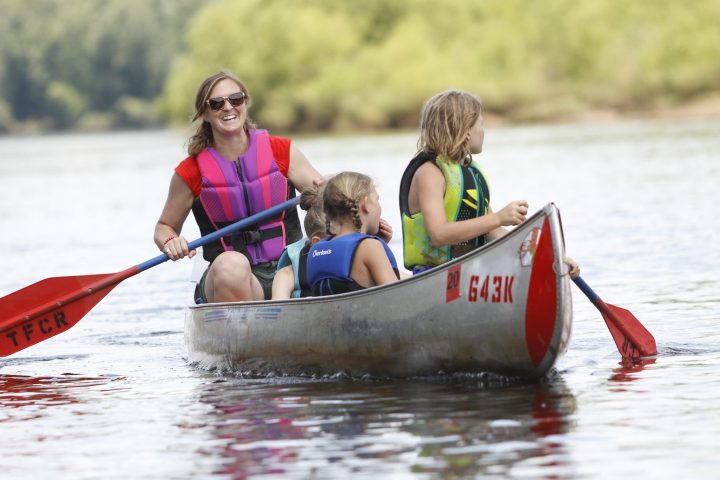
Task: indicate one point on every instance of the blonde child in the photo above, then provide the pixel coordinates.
(444, 197)
(291, 277)
(357, 255)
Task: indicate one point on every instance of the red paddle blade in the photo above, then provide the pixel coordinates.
(49, 307)
(633, 340)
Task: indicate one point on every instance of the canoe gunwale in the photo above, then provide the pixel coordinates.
(549, 210)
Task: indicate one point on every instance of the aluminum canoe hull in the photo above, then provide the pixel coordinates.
(504, 308)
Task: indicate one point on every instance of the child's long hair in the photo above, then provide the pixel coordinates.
(311, 202)
(446, 119)
(341, 199)
(203, 137)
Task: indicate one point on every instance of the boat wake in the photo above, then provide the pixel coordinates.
(270, 375)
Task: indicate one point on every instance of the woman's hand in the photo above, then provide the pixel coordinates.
(177, 248)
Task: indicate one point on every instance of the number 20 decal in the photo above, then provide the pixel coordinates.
(452, 289)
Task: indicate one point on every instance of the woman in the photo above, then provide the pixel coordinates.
(233, 170)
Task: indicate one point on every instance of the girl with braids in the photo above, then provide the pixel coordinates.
(356, 256)
(291, 279)
(233, 170)
(444, 197)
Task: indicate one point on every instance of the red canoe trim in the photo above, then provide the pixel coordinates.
(541, 310)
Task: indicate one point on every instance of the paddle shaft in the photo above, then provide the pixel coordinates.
(48, 307)
(602, 306)
(218, 234)
(635, 334)
(592, 296)
(115, 278)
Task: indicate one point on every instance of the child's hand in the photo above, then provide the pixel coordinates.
(514, 213)
(574, 267)
(385, 231)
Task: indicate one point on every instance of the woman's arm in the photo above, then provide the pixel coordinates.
(300, 172)
(177, 207)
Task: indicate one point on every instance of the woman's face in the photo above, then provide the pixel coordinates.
(476, 135)
(228, 119)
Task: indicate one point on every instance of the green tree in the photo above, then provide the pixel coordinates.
(325, 64)
(62, 60)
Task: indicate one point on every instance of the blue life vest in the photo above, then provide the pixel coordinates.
(330, 262)
(296, 254)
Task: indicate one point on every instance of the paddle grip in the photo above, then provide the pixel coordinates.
(218, 234)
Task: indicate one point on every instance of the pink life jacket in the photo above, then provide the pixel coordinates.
(232, 191)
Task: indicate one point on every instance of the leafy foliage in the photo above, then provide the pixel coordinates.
(324, 64)
(320, 64)
(70, 64)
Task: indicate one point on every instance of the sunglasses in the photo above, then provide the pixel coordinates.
(235, 99)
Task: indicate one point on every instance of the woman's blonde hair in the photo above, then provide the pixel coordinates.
(341, 199)
(311, 202)
(203, 137)
(446, 119)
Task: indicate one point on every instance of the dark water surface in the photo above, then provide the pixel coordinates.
(115, 398)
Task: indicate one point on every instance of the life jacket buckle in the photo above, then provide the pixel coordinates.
(250, 236)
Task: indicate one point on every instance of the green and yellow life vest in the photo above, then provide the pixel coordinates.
(466, 196)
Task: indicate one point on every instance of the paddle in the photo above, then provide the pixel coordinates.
(633, 340)
(54, 305)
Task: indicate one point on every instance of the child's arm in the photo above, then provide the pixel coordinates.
(283, 283)
(495, 233)
(431, 190)
(371, 265)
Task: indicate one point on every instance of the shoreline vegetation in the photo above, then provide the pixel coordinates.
(705, 109)
(327, 67)
(708, 109)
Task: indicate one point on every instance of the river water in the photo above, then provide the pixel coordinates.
(115, 398)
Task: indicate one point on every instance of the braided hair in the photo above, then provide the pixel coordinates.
(341, 199)
(311, 202)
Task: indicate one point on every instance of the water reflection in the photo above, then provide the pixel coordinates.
(629, 368)
(32, 395)
(336, 428)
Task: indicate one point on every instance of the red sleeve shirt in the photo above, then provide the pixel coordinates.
(189, 171)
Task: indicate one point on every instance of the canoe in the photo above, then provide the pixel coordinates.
(504, 308)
